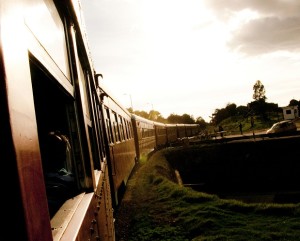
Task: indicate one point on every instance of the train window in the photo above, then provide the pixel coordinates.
(96, 135)
(115, 126)
(84, 93)
(122, 128)
(127, 129)
(56, 129)
(95, 153)
(130, 131)
(140, 133)
(108, 126)
(100, 133)
(119, 124)
(89, 107)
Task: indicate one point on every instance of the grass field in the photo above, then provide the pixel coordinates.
(155, 207)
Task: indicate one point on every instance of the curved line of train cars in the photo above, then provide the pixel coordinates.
(67, 146)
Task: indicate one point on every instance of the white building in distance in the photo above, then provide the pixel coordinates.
(290, 112)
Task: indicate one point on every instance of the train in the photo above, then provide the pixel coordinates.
(68, 147)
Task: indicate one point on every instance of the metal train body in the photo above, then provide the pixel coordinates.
(68, 147)
(152, 135)
(144, 133)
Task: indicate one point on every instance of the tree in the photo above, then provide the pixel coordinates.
(242, 110)
(201, 122)
(231, 109)
(219, 115)
(259, 91)
(173, 118)
(142, 113)
(187, 119)
(294, 102)
(183, 119)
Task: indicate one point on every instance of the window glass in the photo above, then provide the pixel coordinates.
(47, 27)
(115, 126)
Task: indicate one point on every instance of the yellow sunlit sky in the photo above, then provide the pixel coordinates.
(193, 57)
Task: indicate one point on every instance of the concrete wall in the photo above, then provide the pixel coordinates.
(270, 164)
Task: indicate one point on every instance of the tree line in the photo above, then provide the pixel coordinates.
(259, 107)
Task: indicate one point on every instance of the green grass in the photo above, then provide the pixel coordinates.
(160, 209)
(231, 124)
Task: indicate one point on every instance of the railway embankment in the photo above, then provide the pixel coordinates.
(156, 207)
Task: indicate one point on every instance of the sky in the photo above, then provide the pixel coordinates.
(193, 57)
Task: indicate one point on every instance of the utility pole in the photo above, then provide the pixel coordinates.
(130, 101)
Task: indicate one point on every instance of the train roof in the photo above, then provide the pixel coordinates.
(140, 118)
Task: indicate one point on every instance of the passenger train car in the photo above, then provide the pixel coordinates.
(121, 146)
(67, 146)
(144, 133)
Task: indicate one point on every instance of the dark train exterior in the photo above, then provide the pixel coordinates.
(144, 133)
(121, 146)
(151, 135)
(67, 146)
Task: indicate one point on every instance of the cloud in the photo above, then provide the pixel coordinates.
(274, 28)
(280, 8)
(266, 35)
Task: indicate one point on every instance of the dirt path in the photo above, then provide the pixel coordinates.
(124, 211)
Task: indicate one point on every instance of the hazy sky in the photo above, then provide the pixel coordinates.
(191, 56)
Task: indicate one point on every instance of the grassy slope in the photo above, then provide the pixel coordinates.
(231, 124)
(156, 208)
